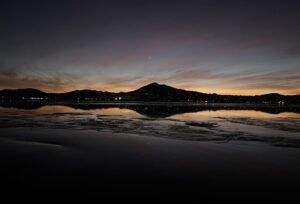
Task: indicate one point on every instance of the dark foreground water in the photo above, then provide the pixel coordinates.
(150, 150)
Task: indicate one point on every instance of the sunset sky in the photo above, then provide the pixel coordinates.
(227, 47)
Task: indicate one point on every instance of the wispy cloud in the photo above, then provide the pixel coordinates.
(226, 82)
(53, 82)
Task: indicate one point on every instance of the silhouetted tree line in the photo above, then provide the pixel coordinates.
(152, 92)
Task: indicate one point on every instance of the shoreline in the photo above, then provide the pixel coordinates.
(130, 164)
(151, 103)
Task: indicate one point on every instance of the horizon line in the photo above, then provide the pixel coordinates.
(161, 84)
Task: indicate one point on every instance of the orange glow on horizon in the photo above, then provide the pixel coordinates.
(131, 87)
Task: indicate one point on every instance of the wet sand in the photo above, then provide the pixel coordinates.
(39, 159)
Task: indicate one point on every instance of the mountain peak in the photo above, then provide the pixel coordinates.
(151, 92)
(153, 84)
(155, 87)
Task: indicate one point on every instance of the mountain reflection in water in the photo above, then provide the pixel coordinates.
(163, 109)
(274, 125)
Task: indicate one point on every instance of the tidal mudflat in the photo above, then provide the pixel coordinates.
(150, 149)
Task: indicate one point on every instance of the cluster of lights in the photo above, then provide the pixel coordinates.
(118, 98)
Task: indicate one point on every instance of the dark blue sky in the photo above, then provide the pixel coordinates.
(234, 47)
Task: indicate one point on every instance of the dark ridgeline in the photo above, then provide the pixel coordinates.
(153, 92)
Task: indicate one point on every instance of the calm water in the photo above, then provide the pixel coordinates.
(176, 122)
(154, 149)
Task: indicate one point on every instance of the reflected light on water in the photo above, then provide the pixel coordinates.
(183, 123)
(100, 111)
(143, 112)
(115, 112)
(56, 109)
(232, 113)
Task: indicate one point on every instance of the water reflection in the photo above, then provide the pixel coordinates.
(164, 110)
(233, 113)
(274, 125)
(112, 111)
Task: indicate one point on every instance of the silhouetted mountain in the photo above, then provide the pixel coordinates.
(85, 95)
(151, 92)
(155, 88)
(19, 94)
(162, 92)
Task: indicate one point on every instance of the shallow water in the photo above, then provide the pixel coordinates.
(150, 149)
(219, 125)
